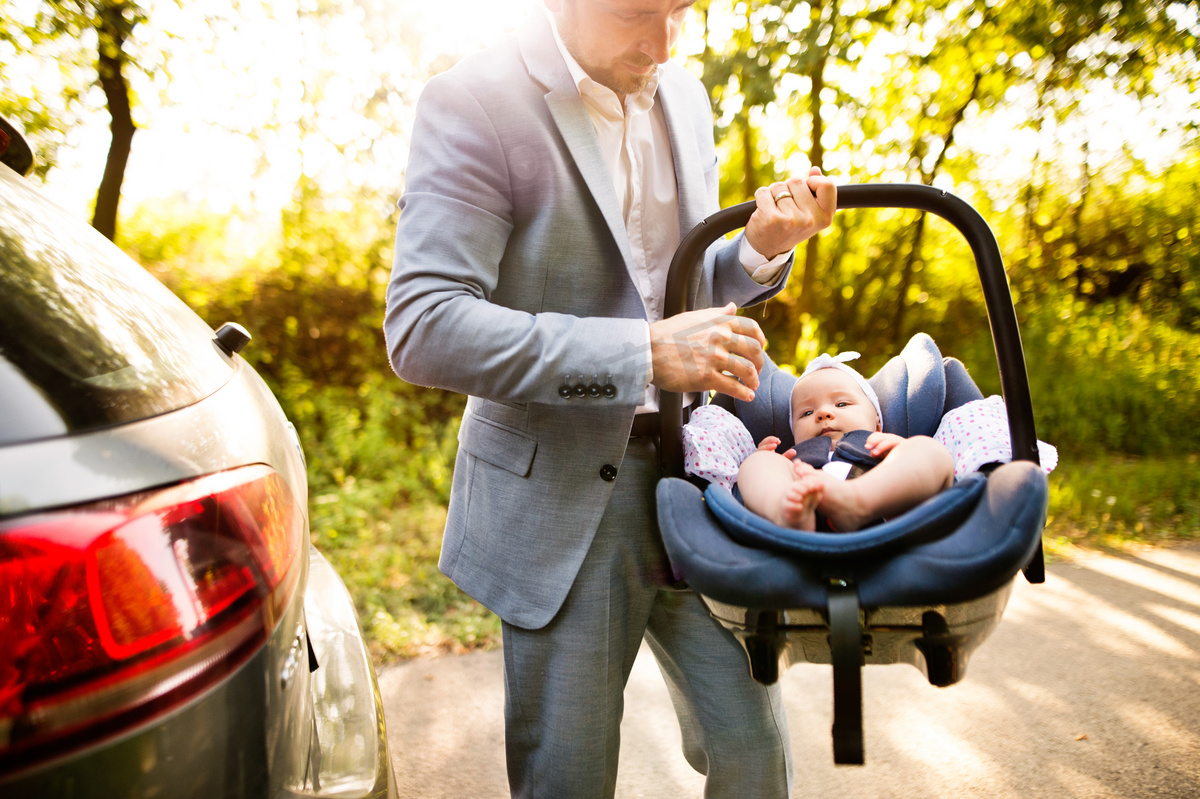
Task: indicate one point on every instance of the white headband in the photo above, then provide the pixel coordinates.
(839, 362)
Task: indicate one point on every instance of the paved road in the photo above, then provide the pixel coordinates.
(1090, 687)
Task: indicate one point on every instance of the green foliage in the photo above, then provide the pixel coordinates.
(1113, 502)
(90, 42)
(1104, 264)
(1110, 378)
(380, 452)
(1131, 236)
(386, 551)
(315, 309)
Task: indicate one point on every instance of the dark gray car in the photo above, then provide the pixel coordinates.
(166, 629)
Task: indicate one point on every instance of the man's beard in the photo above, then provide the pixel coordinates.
(622, 82)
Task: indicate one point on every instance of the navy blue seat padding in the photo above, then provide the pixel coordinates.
(984, 552)
(925, 522)
(960, 545)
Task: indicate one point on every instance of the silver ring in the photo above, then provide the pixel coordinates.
(781, 195)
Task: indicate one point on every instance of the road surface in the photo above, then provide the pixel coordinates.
(1088, 689)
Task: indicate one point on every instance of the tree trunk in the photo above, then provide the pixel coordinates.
(749, 155)
(110, 27)
(816, 155)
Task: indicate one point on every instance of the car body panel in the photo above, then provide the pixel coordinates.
(237, 425)
(257, 731)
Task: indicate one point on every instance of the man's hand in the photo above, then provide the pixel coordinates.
(709, 349)
(805, 207)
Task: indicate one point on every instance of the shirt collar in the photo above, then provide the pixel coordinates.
(600, 94)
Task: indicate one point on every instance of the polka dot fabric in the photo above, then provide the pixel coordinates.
(715, 442)
(977, 434)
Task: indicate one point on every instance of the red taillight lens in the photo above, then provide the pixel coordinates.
(113, 612)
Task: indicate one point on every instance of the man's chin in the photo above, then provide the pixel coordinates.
(624, 82)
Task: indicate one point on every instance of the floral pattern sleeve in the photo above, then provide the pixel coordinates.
(977, 434)
(715, 442)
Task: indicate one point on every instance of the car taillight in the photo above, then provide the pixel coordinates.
(114, 612)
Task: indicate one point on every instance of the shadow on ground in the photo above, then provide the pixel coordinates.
(1090, 687)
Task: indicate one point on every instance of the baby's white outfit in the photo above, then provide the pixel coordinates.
(715, 442)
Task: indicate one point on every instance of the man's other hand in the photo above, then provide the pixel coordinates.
(708, 349)
(791, 212)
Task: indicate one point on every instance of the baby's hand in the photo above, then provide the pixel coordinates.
(880, 444)
(769, 444)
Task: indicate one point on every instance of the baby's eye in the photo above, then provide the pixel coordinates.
(805, 414)
(843, 404)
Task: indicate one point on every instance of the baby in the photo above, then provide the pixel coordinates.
(835, 416)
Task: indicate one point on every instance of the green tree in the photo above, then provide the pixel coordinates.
(98, 33)
(892, 90)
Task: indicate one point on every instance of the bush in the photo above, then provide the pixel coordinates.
(380, 452)
(1105, 378)
(1110, 379)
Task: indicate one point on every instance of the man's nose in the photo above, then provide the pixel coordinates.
(658, 40)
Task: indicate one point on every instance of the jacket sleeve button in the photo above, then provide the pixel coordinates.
(564, 391)
(608, 473)
(580, 390)
(609, 390)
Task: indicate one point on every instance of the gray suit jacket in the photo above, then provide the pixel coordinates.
(513, 277)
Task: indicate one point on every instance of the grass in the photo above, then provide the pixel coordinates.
(387, 553)
(1118, 503)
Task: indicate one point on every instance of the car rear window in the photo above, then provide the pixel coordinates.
(88, 338)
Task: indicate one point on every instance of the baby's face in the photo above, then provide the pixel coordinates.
(829, 402)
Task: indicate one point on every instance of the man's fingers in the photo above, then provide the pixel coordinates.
(747, 347)
(741, 368)
(745, 326)
(724, 384)
(824, 191)
(711, 348)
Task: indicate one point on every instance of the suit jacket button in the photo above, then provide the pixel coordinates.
(580, 390)
(608, 473)
(609, 390)
(594, 390)
(564, 391)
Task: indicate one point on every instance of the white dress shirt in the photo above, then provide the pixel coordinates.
(633, 139)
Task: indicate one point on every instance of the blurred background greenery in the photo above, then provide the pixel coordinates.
(1070, 125)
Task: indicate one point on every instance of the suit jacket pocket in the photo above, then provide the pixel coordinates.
(498, 445)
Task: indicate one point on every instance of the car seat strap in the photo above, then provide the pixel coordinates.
(846, 653)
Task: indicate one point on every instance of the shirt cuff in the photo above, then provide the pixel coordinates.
(761, 270)
(649, 359)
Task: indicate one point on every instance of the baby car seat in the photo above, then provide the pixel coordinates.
(925, 588)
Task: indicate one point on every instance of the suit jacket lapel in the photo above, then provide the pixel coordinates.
(566, 107)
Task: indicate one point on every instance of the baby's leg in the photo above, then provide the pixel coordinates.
(780, 490)
(915, 470)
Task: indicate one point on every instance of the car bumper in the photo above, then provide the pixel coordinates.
(353, 759)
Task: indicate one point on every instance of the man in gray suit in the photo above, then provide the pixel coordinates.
(549, 181)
